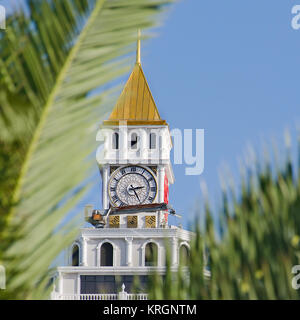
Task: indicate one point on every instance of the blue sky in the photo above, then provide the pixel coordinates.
(231, 68)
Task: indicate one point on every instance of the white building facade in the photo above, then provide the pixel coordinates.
(129, 238)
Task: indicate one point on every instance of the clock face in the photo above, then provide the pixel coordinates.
(132, 185)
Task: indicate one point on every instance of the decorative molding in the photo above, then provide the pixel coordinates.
(132, 221)
(142, 233)
(184, 243)
(150, 221)
(120, 270)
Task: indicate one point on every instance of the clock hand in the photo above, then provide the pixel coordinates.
(137, 188)
(135, 193)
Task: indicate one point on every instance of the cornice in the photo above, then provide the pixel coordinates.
(137, 233)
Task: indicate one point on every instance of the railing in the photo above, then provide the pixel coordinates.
(98, 297)
(105, 296)
(57, 296)
(138, 296)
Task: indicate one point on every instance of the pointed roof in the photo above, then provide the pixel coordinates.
(136, 104)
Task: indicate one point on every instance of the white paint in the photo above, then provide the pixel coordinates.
(129, 244)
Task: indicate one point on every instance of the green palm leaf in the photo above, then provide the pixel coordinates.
(69, 50)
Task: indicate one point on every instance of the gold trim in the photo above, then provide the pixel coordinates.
(132, 221)
(114, 222)
(150, 221)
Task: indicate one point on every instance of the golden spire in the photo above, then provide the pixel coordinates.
(138, 51)
(136, 104)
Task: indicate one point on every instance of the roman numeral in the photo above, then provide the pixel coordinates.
(153, 189)
(133, 169)
(123, 171)
(112, 189)
(150, 179)
(150, 199)
(115, 198)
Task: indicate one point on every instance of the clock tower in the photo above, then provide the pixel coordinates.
(128, 237)
(135, 161)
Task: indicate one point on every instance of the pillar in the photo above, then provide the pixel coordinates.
(161, 183)
(174, 251)
(129, 251)
(84, 252)
(78, 284)
(105, 175)
(123, 143)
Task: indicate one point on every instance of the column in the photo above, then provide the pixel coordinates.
(144, 145)
(161, 183)
(84, 251)
(78, 283)
(123, 137)
(129, 251)
(174, 252)
(60, 283)
(105, 175)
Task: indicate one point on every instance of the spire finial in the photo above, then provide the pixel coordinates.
(138, 51)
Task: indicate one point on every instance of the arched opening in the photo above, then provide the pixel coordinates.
(184, 255)
(115, 141)
(75, 256)
(106, 257)
(151, 254)
(152, 141)
(134, 141)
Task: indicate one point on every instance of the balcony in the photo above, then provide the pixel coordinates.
(123, 295)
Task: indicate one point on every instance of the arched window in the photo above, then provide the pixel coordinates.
(152, 141)
(75, 256)
(134, 141)
(151, 254)
(106, 257)
(184, 255)
(115, 141)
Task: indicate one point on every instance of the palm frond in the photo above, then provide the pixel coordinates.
(56, 59)
(258, 246)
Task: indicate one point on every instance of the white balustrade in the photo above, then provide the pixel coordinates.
(105, 296)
